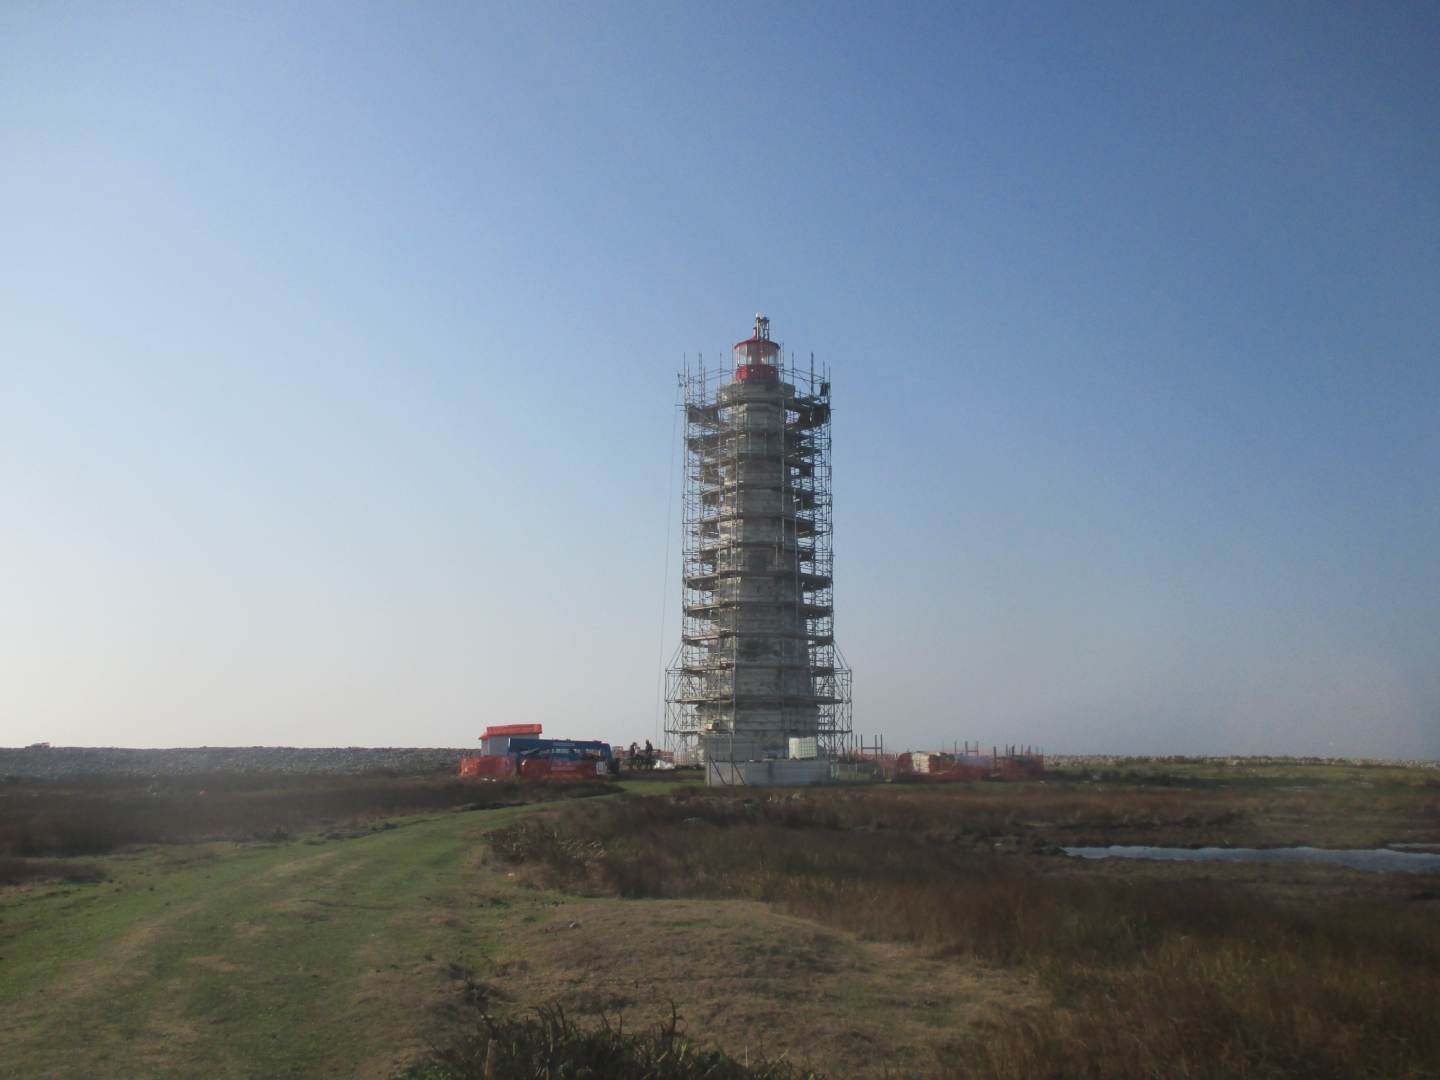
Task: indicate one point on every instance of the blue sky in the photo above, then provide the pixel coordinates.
(338, 341)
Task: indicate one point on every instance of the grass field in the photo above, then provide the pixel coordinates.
(262, 959)
(92, 815)
(863, 931)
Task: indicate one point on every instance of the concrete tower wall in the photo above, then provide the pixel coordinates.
(758, 662)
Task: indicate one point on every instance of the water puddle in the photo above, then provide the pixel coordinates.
(1413, 859)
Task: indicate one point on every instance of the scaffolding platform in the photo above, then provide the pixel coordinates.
(757, 664)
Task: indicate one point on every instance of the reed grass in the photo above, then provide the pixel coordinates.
(1149, 977)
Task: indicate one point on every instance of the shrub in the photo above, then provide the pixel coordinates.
(549, 1045)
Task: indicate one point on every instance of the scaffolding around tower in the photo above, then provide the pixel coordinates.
(758, 685)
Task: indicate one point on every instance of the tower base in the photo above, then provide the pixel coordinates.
(769, 772)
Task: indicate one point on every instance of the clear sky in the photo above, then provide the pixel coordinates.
(338, 348)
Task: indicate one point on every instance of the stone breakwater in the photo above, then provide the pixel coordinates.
(58, 762)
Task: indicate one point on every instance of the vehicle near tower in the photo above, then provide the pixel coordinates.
(508, 751)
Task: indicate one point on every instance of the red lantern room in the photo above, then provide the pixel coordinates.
(757, 356)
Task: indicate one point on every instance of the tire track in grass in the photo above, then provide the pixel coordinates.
(298, 961)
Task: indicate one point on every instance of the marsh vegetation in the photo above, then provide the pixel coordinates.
(1149, 970)
(94, 815)
(866, 931)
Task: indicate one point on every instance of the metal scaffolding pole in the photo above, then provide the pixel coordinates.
(758, 666)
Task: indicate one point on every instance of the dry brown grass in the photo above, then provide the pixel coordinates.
(20, 871)
(1149, 976)
(550, 1044)
(749, 978)
(92, 816)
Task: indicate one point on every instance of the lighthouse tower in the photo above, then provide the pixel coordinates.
(759, 693)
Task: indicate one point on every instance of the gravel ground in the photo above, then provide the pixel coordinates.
(62, 761)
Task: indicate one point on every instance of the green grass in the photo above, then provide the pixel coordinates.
(662, 784)
(317, 956)
(274, 960)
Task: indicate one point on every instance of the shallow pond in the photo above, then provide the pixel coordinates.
(1379, 860)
